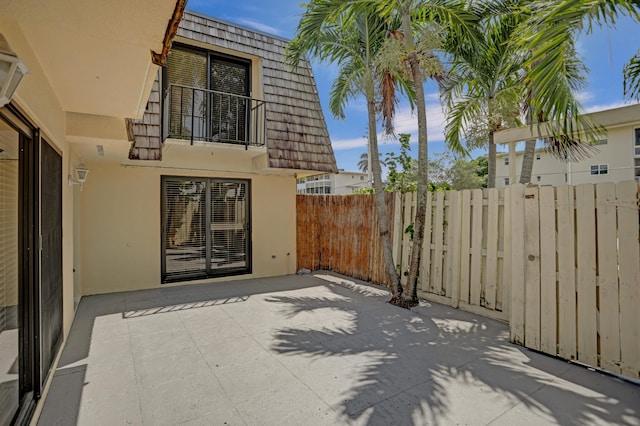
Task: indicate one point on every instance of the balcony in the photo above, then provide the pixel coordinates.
(200, 115)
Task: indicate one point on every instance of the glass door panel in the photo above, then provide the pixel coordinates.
(205, 228)
(9, 336)
(184, 227)
(229, 225)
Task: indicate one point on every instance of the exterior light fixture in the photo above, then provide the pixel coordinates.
(12, 69)
(81, 173)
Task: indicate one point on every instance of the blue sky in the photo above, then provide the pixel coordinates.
(604, 52)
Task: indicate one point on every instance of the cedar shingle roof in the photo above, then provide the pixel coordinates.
(297, 136)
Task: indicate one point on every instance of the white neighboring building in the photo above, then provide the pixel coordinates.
(339, 184)
(616, 159)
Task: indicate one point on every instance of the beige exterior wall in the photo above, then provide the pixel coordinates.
(121, 221)
(38, 101)
(617, 154)
(342, 183)
(347, 182)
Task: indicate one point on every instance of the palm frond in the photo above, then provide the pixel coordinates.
(631, 72)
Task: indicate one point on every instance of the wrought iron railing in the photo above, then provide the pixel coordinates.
(210, 116)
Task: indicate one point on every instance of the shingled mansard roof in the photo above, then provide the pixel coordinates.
(297, 136)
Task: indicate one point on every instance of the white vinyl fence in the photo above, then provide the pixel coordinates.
(560, 264)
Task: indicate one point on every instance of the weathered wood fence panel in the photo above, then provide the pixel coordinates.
(340, 233)
(561, 265)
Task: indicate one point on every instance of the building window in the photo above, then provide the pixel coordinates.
(637, 143)
(537, 156)
(538, 178)
(566, 177)
(506, 161)
(599, 169)
(209, 97)
(361, 177)
(506, 181)
(205, 227)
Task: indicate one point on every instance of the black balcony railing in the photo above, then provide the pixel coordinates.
(210, 116)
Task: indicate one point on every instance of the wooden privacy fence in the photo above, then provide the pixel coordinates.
(340, 233)
(561, 265)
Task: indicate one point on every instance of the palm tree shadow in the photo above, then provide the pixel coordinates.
(379, 364)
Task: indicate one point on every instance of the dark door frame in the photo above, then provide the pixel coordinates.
(208, 272)
(28, 261)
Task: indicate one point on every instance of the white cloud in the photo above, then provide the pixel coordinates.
(258, 26)
(433, 96)
(405, 122)
(340, 144)
(584, 97)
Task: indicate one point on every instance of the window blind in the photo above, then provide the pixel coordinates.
(205, 227)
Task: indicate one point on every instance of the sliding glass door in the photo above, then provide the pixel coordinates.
(9, 265)
(205, 228)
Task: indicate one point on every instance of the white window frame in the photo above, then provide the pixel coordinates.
(599, 169)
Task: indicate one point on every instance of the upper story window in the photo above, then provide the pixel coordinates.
(506, 181)
(599, 169)
(538, 156)
(207, 98)
(636, 146)
(506, 161)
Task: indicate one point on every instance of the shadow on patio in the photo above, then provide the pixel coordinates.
(312, 350)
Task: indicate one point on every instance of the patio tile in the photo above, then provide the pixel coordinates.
(64, 399)
(233, 353)
(102, 412)
(104, 383)
(254, 379)
(185, 399)
(404, 409)
(302, 350)
(162, 342)
(166, 367)
(230, 418)
(150, 323)
(293, 404)
(215, 332)
(106, 352)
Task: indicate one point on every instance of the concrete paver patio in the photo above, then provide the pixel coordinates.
(311, 350)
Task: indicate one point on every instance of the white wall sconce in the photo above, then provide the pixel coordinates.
(81, 173)
(12, 69)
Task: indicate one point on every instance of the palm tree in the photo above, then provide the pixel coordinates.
(423, 24)
(330, 31)
(631, 73)
(363, 163)
(549, 34)
(483, 91)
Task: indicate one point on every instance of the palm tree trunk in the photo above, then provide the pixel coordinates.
(381, 206)
(527, 161)
(409, 296)
(491, 177)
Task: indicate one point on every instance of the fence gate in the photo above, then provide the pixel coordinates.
(575, 273)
